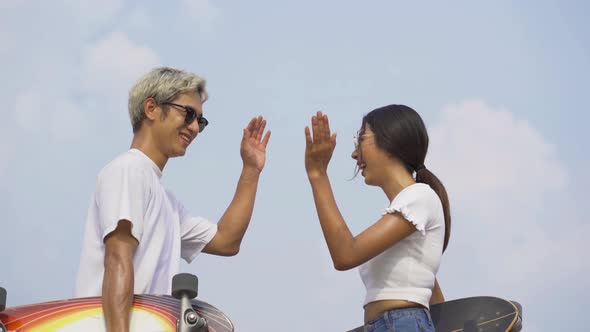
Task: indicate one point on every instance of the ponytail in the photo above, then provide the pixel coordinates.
(423, 175)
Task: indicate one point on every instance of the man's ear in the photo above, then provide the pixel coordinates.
(151, 108)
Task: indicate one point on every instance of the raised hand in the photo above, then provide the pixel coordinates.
(319, 146)
(253, 146)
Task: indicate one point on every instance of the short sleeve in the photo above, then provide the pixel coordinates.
(122, 193)
(195, 232)
(418, 204)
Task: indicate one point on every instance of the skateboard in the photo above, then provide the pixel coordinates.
(475, 314)
(157, 313)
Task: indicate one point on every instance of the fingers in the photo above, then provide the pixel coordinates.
(323, 127)
(327, 135)
(260, 129)
(249, 129)
(255, 130)
(315, 129)
(320, 129)
(256, 122)
(246, 135)
(308, 141)
(266, 138)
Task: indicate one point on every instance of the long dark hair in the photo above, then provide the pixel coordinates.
(400, 131)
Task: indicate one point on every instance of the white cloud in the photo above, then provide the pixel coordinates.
(500, 174)
(550, 254)
(114, 63)
(485, 153)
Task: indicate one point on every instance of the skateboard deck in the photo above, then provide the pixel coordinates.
(157, 313)
(475, 314)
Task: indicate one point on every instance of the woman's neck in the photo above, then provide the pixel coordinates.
(394, 184)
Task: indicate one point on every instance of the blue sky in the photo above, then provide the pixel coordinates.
(501, 86)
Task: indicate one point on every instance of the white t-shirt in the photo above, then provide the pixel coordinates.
(407, 270)
(129, 188)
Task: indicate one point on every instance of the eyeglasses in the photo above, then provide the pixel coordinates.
(191, 115)
(358, 138)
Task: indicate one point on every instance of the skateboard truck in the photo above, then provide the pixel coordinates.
(185, 288)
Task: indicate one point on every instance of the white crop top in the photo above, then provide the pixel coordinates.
(406, 271)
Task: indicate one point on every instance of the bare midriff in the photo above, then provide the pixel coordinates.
(374, 309)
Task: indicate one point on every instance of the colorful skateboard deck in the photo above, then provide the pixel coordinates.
(157, 313)
(475, 314)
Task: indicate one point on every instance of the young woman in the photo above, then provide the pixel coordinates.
(400, 253)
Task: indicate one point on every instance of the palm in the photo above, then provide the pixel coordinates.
(253, 147)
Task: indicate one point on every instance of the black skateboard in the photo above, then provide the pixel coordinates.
(475, 314)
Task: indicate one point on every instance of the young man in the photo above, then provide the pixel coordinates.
(136, 230)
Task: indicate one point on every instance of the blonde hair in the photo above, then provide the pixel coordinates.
(164, 84)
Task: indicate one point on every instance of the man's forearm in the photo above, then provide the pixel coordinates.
(117, 295)
(234, 222)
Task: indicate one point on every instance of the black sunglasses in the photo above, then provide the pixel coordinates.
(191, 115)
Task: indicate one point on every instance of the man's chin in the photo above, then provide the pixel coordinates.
(178, 153)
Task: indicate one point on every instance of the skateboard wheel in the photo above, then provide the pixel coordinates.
(517, 325)
(185, 283)
(2, 299)
(518, 306)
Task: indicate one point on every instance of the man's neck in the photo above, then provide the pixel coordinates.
(142, 142)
